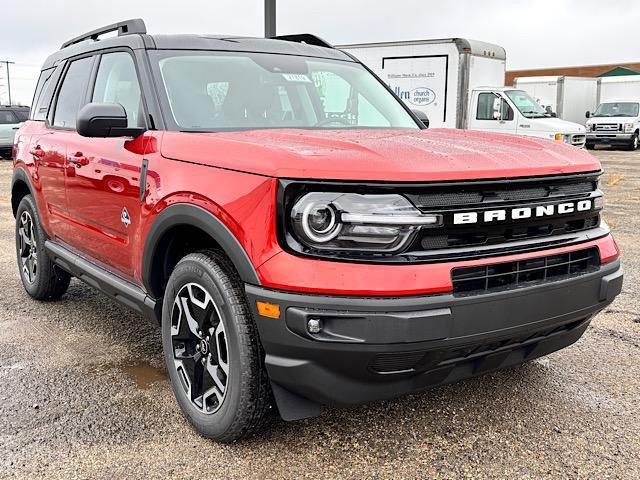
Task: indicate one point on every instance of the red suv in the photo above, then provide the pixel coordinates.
(299, 234)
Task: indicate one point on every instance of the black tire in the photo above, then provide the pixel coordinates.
(635, 142)
(590, 146)
(247, 399)
(42, 279)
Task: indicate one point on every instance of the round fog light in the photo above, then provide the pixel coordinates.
(314, 325)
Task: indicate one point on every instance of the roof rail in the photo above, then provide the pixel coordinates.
(128, 27)
(307, 38)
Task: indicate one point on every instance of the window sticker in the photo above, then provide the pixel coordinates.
(296, 77)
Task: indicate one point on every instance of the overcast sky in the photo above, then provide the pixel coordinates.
(536, 33)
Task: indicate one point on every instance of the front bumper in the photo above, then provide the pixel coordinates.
(377, 348)
(609, 138)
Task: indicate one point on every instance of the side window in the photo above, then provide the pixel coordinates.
(487, 107)
(117, 82)
(44, 93)
(7, 117)
(43, 83)
(23, 115)
(71, 94)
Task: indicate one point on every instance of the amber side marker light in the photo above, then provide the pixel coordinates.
(269, 310)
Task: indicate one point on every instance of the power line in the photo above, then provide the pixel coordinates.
(7, 63)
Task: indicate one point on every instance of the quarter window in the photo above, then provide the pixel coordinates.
(72, 93)
(117, 82)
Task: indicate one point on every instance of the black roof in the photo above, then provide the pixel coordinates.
(134, 38)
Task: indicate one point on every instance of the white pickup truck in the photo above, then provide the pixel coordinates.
(10, 120)
(615, 123)
(445, 81)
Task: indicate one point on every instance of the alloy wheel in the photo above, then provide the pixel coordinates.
(27, 247)
(200, 349)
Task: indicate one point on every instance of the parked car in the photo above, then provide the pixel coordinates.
(459, 83)
(615, 123)
(299, 246)
(10, 119)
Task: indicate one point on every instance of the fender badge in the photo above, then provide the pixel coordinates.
(125, 218)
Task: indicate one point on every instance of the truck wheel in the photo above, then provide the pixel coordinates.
(212, 350)
(41, 278)
(634, 142)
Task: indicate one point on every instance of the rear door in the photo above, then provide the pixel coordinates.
(49, 149)
(103, 174)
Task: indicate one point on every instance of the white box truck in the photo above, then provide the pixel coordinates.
(616, 121)
(622, 87)
(567, 97)
(459, 83)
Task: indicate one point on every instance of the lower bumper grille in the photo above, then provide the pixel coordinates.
(523, 273)
(409, 362)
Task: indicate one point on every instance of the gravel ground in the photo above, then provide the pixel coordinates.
(83, 394)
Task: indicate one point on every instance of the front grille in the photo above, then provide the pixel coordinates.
(523, 273)
(578, 140)
(470, 195)
(608, 127)
(480, 198)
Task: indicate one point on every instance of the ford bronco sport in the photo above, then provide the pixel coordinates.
(301, 237)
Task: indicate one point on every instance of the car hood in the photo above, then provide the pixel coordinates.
(378, 155)
(556, 125)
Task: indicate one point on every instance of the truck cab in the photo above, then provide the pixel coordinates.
(508, 110)
(616, 123)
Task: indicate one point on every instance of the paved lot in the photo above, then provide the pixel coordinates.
(83, 395)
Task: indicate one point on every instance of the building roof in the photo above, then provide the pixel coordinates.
(580, 71)
(620, 72)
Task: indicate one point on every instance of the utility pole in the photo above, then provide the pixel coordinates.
(7, 63)
(269, 18)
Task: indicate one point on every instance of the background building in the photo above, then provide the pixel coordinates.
(584, 71)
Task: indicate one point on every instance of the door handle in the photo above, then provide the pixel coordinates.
(79, 159)
(38, 152)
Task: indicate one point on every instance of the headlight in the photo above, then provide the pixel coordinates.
(560, 137)
(588, 126)
(629, 127)
(355, 222)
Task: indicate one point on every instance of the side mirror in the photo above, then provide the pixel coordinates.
(424, 119)
(105, 120)
(588, 114)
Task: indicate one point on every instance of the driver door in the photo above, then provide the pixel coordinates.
(492, 114)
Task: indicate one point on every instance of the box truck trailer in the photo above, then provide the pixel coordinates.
(615, 88)
(459, 83)
(567, 97)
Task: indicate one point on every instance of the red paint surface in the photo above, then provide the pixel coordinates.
(234, 176)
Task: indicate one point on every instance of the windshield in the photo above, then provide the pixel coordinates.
(620, 109)
(212, 91)
(527, 105)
